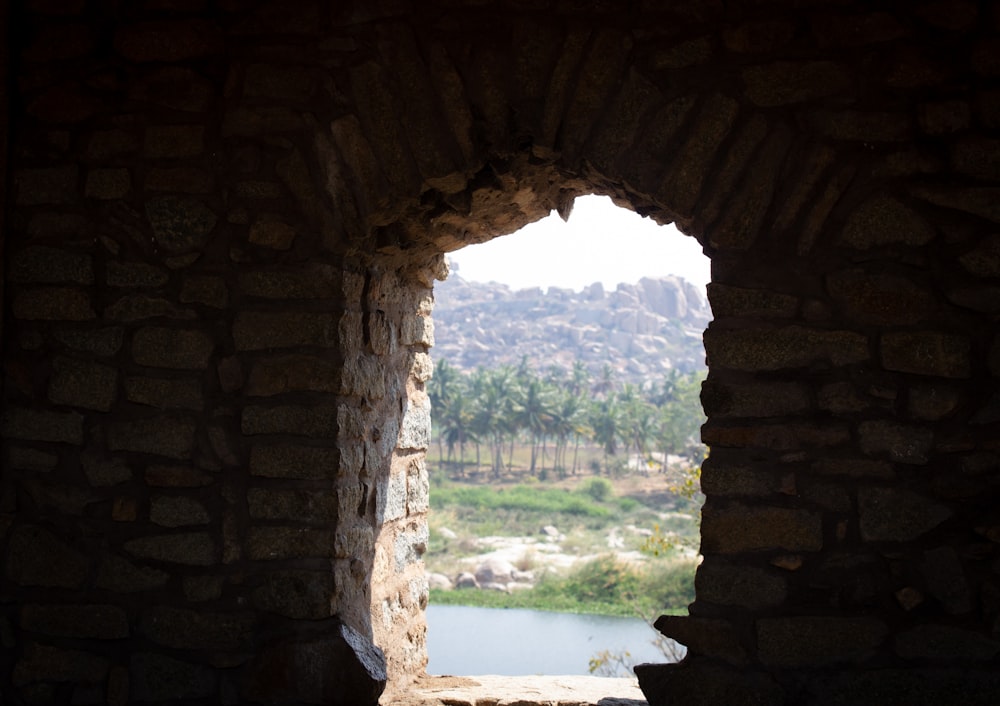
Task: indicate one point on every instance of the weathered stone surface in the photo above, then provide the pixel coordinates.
(103, 622)
(771, 399)
(46, 265)
(901, 442)
(319, 421)
(45, 663)
(297, 505)
(270, 543)
(191, 549)
(174, 87)
(409, 546)
(272, 234)
(172, 437)
(176, 477)
(136, 307)
(782, 437)
(884, 220)
(122, 576)
(183, 180)
(173, 141)
(180, 223)
(941, 569)
(344, 669)
(303, 595)
(943, 643)
(104, 144)
(107, 184)
(417, 487)
(85, 384)
(273, 376)
(36, 557)
(168, 40)
(880, 298)
(164, 394)
(927, 353)
(315, 282)
(32, 425)
(159, 347)
(177, 511)
(932, 402)
(786, 82)
(104, 342)
(897, 515)
(46, 185)
(198, 589)
(210, 291)
(738, 528)
(25, 459)
(907, 687)
(135, 274)
(53, 304)
(263, 330)
(297, 462)
(729, 301)
(189, 629)
(417, 329)
(744, 586)
(415, 430)
(704, 683)
(788, 347)
(103, 472)
(156, 677)
(815, 641)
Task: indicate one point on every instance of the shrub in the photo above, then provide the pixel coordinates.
(600, 489)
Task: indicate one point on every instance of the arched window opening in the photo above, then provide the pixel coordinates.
(565, 455)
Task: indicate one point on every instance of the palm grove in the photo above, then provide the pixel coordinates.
(556, 412)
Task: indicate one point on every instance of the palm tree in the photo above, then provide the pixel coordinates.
(606, 421)
(532, 414)
(441, 390)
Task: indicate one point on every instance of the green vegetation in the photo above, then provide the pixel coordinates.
(557, 414)
(606, 586)
(546, 502)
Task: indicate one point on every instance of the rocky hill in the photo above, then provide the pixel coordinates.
(642, 330)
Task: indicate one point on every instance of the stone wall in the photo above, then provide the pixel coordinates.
(224, 223)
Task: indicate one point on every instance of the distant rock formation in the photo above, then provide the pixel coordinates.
(642, 330)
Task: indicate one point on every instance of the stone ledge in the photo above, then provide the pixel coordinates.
(520, 691)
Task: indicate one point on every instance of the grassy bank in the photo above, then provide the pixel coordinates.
(604, 586)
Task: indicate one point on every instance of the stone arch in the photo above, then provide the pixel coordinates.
(224, 229)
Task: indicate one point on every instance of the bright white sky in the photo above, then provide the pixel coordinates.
(600, 243)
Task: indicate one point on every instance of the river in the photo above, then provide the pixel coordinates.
(463, 640)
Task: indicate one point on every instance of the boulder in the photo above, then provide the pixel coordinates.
(495, 570)
(466, 580)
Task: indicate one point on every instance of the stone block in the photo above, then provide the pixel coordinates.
(744, 586)
(173, 141)
(723, 479)
(168, 436)
(164, 393)
(53, 304)
(264, 330)
(189, 549)
(174, 87)
(945, 643)
(902, 443)
(780, 437)
(728, 301)
(308, 506)
(168, 40)
(932, 402)
(197, 630)
(210, 291)
(176, 477)
(880, 298)
(136, 307)
(318, 422)
(27, 459)
(944, 578)
(300, 595)
(897, 514)
(276, 543)
(101, 622)
(42, 663)
(103, 472)
(842, 398)
(415, 430)
(84, 384)
(883, 220)
(787, 82)
(313, 282)
(105, 144)
(421, 366)
(119, 575)
(737, 528)
(183, 349)
(38, 425)
(107, 184)
(180, 223)
(417, 330)
(46, 185)
(179, 180)
(36, 557)
(754, 399)
(272, 234)
(815, 641)
(343, 669)
(177, 511)
(198, 589)
(755, 350)
(104, 342)
(45, 265)
(927, 353)
(365, 376)
(417, 487)
(278, 375)
(410, 545)
(392, 497)
(135, 274)
(703, 636)
(294, 462)
(703, 683)
(159, 678)
(922, 686)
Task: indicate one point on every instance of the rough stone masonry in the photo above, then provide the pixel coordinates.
(222, 222)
